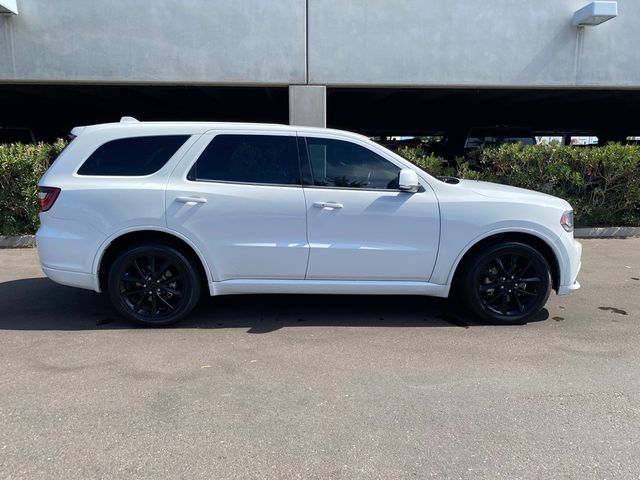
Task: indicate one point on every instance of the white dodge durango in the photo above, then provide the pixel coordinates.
(157, 213)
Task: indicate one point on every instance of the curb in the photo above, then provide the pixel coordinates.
(607, 232)
(18, 241)
(28, 241)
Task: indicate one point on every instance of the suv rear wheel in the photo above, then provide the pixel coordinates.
(507, 283)
(153, 284)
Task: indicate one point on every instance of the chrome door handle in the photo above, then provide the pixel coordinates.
(191, 200)
(331, 205)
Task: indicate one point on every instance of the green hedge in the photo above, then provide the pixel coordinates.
(21, 166)
(601, 183)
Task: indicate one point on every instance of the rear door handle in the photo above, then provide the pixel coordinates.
(330, 205)
(191, 200)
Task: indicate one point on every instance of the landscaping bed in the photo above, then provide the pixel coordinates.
(602, 183)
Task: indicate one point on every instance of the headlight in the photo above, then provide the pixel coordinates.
(567, 220)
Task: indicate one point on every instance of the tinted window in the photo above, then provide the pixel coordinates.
(267, 159)
(335, 163)
(133, 156)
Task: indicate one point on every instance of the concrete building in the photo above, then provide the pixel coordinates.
(376, 66)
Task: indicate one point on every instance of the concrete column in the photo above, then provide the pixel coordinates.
(308, 105)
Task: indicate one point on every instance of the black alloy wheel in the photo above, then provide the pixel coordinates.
(153, 284)
(507, 283)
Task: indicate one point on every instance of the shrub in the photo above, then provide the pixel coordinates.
(427, 161)
(21, 166)
(601, 183)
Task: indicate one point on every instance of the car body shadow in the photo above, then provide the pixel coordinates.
(40, 304)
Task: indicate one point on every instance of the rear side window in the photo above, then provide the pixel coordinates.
(269, 159)
(134, 156)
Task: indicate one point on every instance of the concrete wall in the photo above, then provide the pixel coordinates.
(470, 42)
(194, 41)
(525, 43)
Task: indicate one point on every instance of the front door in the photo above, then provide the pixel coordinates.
(360, 225)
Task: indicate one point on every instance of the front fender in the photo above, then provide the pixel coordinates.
(452, 255)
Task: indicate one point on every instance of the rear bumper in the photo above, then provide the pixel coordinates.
(67, 249)
(72, 279)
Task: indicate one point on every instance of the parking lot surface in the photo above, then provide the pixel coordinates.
(321, 387)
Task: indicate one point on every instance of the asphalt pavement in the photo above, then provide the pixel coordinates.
(325, 387)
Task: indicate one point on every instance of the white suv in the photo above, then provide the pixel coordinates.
(157, 213)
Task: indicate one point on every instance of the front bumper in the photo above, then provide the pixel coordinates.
(568, 289)
(570, 251)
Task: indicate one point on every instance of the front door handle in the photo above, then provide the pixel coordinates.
(191, 200)
(330, 205)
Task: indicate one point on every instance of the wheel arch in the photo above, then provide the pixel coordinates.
(534, 241)
(120, 241)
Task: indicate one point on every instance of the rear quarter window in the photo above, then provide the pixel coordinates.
(133, 156)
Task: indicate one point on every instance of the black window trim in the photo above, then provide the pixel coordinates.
(232, 182)
(305, 162)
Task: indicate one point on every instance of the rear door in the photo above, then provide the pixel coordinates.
(239, 198)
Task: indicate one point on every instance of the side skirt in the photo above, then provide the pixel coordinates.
(331, 287)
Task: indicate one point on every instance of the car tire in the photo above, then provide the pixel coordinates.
(507, 283)
(153, 284)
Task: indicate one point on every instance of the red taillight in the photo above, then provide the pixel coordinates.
(46, 197)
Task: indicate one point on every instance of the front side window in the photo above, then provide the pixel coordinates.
(268, 159)
(336, 163)
(133, 156)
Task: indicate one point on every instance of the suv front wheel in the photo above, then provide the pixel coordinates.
(153, 284)
(507, 283)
